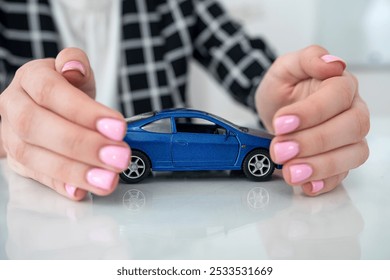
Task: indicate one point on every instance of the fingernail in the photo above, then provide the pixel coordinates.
(328, 58)
(111, 128)
(73, 66)
(285, 151)
(300, 172)
(286, 124)
(115, 156)
(100, 178)
(317, 186)
(71, 190)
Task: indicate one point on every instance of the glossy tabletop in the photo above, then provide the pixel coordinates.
(204, 215)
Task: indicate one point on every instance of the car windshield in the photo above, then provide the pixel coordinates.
(140, 117)
(243, 129)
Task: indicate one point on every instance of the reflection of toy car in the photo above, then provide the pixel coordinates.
(185, 139)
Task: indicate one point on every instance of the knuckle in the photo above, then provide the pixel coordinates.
(365, 152)
(345, 95)
(22, 124)
(37, 73)
(18, 151)
(56, 185)
(362, 122)
(45, 86)
(315, 110)
(19, 73)
(321, 142)
(75, 143)
(62, 170)
(24, 72)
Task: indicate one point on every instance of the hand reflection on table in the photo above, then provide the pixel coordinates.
(44, 225)
(325, 227)
(180, 216)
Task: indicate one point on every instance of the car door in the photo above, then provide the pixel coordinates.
(202, 144)
(156, 142)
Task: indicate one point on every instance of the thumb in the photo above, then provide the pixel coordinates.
(74, 66)
(311, 62)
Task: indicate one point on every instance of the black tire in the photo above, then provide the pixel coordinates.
(139, 168)
(258, 166)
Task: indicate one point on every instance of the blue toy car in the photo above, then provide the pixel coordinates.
(189, 140)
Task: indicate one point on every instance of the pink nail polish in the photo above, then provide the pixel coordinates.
(300, 172)
(328, 58)
(73, 66)
(286, 124)
(71, 190)
(115, 156)
(285, 151)
(111, 128)
(100, 178)
(317, 186)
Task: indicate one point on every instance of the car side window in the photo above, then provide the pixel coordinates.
(159, 126)
(198, 125)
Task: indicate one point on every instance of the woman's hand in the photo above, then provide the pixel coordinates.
(313, 107)
(54, 132)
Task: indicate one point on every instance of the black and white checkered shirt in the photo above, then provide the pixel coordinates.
(158, 40)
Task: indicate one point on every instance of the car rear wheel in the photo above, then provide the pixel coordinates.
(138, 169)
(258, 165)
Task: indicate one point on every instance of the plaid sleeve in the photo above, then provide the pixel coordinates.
(235, 60)
(26, 32)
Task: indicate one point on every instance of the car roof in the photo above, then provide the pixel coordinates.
(167, 113)
(181, 110)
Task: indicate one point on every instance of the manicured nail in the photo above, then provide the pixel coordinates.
(286, 124)
(300, 172)
(317, 186)
(71, 190)
(111, 128)
(115, 156)
(100, 178)
(328, 58)
(73, 66)
(285, 151)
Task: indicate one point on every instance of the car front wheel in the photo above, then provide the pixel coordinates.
(258, 165)
(138, 169)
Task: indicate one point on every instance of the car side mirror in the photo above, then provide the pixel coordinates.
(228, 134)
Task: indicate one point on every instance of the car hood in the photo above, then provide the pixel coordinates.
(259, 133)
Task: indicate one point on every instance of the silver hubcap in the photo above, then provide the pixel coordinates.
(136, 168)
(259, 165)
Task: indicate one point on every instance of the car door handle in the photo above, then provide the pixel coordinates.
(182, 143)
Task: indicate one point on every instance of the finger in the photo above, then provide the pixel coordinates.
(74, 65)
(346, 128)
(334, 96)
(64, 189)
(311, 62)
(299, 171)
(40, 127)
(77, 174)
(316, 188)
(52, 91)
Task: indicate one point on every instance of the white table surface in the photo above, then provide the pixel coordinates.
(204, 216)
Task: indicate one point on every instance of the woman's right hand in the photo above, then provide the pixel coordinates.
(54, 132)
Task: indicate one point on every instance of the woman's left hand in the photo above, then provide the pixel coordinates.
(313, 107)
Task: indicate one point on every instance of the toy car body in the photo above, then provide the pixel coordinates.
(189, 140)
